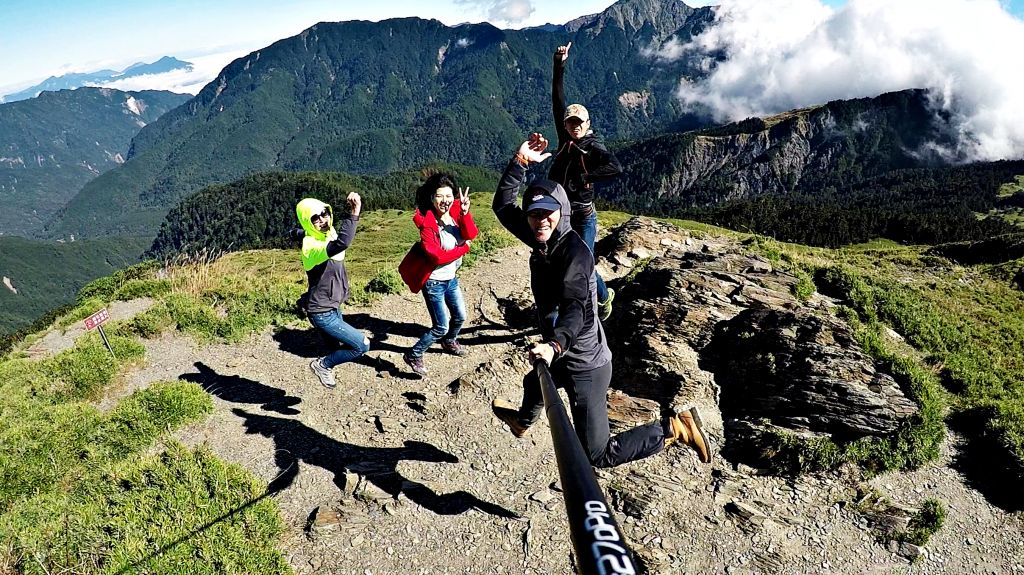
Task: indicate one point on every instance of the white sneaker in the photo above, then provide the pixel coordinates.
(326, 376)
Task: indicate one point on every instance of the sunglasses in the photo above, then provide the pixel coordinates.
(321, 216)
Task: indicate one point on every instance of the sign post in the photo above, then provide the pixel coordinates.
(97, 320)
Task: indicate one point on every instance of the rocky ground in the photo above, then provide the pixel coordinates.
(390, 473)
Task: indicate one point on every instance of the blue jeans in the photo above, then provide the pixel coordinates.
(586, 227)
(332, 327)
(441, 296)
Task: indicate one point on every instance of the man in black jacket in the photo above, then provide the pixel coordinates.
(581, 160)
(563, 282)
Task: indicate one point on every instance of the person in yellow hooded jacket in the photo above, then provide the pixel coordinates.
(323, 259)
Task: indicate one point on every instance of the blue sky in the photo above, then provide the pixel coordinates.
(40, 38)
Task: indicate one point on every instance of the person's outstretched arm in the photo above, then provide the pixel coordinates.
(504, 205)
(558, 91)
(347, 231)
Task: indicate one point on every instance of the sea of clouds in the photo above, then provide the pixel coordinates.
(204, 69)
(764, 57)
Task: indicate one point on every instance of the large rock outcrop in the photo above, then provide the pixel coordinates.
(700, 321)
(804, 371)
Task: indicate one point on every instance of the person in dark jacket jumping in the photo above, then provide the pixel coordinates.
(581, 160)
(564, 287)
(323, 258)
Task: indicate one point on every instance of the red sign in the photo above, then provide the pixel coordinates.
(97, 318)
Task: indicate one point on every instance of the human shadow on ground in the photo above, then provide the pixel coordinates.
(415, 401)
(294, 442)
(509, 336)
(382, 329)
(242, 390)
(310, 344)
(985, 462)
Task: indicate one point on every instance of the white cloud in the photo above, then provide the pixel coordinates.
(671, 50)
(788, 54)
(503, 11)
(204, 69)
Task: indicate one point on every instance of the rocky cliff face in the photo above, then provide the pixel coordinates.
(701, 322)
(661, 19)
(834, 145)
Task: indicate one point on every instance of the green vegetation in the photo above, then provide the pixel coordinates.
(924, 523)
(362, 103)
(866, 182)
(47, 275)
(82, 491)
(55, 143)
(966, 329)
(1010, 189)
(262, 213)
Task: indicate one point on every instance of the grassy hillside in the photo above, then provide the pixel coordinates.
(49, 274)
(262, 210)
(373, 97)
(54, 144)
(80, 487)
(962, 327)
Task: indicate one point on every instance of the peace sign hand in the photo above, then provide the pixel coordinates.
(464, 199)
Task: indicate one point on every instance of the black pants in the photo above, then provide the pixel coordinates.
(588, 402)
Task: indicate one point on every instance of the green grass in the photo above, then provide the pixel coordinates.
(966, 329)
(80, 491)
(925, 523)
(1010, 188)
(922, 525)
(179, 512)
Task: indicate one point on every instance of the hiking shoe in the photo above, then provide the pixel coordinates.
(326, 376)
(507, 413)
(416, 363)
(510, 416)
(686, 430)
(604, 308)
(454, 348)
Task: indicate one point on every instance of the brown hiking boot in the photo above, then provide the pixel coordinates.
(686, 429)
(507, 412)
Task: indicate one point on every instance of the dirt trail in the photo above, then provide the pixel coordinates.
(390, 473)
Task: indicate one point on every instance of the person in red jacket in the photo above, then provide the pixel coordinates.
(446, 230)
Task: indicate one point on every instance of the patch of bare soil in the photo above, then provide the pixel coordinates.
(390, 473)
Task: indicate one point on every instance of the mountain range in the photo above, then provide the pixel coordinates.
(839, 173)
(347, 97)
(52, 145)
(78, 80)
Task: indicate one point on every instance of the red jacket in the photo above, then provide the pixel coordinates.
(426, 255)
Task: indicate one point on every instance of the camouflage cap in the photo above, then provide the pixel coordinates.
(577, 111)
